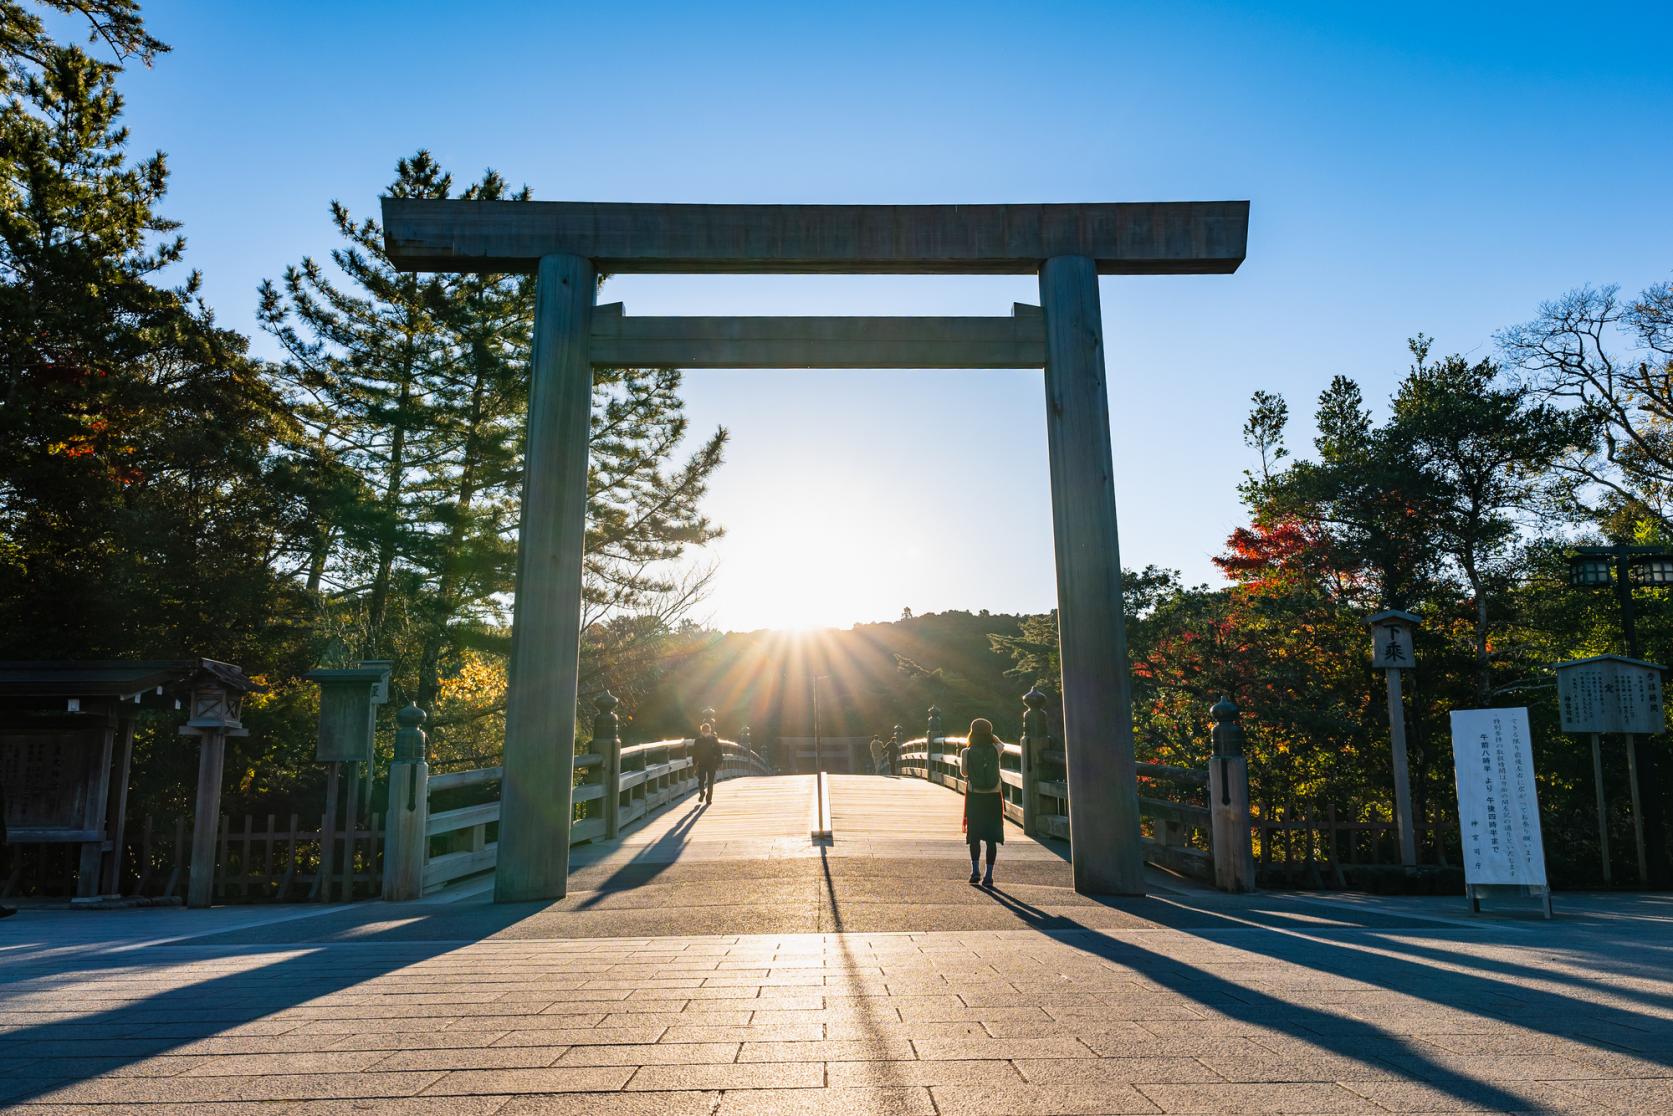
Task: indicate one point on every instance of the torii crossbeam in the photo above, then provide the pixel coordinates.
(568, 244)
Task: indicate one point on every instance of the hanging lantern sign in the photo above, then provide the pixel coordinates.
(1392, 646)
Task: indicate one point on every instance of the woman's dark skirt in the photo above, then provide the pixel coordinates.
(985, 818)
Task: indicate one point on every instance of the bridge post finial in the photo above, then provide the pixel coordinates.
(1228, 801)
(932, 740)
(607, 742)
(409, 809)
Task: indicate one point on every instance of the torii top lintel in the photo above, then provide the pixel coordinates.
(1121, 238)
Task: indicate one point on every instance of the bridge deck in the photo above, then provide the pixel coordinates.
(767, 817)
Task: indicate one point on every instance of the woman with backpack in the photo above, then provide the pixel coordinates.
(984, 800)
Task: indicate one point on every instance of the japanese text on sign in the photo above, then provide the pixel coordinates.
(1498, 805)
(1609, 694)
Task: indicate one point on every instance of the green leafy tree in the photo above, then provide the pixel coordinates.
(1485, 449)
(1609, 360)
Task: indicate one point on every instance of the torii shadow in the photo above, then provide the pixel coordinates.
(1557, 1015)
(102, 1043)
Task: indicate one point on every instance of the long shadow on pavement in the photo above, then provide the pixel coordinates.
(650, 861)
(1340, 1035)
(106, 1041)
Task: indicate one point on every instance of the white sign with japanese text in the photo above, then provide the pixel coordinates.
(1498, 805)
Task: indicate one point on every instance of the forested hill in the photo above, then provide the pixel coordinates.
(872, 677)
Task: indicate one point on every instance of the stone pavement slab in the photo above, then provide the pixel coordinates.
(751, 974)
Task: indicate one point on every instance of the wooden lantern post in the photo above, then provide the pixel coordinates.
(215, 716)
(1392, 649)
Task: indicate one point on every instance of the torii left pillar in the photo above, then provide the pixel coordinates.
(536, 795)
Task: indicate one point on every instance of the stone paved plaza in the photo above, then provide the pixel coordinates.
(699, 969)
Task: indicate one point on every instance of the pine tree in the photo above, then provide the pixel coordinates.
(363, 359)
(136, 515)
(414, 388)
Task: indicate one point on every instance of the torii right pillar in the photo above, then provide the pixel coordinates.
(1092, 638)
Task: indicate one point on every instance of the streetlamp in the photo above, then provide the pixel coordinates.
(1596, 567)
(1599, 567)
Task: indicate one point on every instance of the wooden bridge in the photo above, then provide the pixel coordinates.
(624, 798)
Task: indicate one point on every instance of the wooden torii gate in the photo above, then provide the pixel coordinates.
(569, 243)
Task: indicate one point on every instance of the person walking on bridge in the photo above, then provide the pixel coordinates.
(984, 810)
(705, 753)
(877, 755)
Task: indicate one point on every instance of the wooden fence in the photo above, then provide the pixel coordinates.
(1309, 845)
(268, 860)
(256, 860)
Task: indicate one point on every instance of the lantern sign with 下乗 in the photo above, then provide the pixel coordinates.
(1392, 652)
(1498, 804)
(1612, 693)
(1391, 639)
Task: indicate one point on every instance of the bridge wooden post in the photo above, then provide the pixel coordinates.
(1092, 639)
(1036, 731)
(1228, 802)
(408, 815)
(932, 738)
(607, 742)
(537, 797)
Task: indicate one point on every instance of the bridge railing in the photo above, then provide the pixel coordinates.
(615, 787)
(936, 759)
(1194, 821)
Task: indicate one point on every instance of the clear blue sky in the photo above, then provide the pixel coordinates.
(1440, 168)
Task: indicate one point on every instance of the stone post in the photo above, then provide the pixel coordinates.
(1036, 731)
(1228, 802)
(537, 795)
(607, 742)
(1104, 848)
(408, 815)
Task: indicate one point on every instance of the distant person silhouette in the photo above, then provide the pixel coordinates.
(878, 752)
(705, 753)
(984, 811)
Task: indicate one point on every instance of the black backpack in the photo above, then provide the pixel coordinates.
(982, 763)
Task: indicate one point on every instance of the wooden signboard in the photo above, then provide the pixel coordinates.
(1610, 693)
(48, 774)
